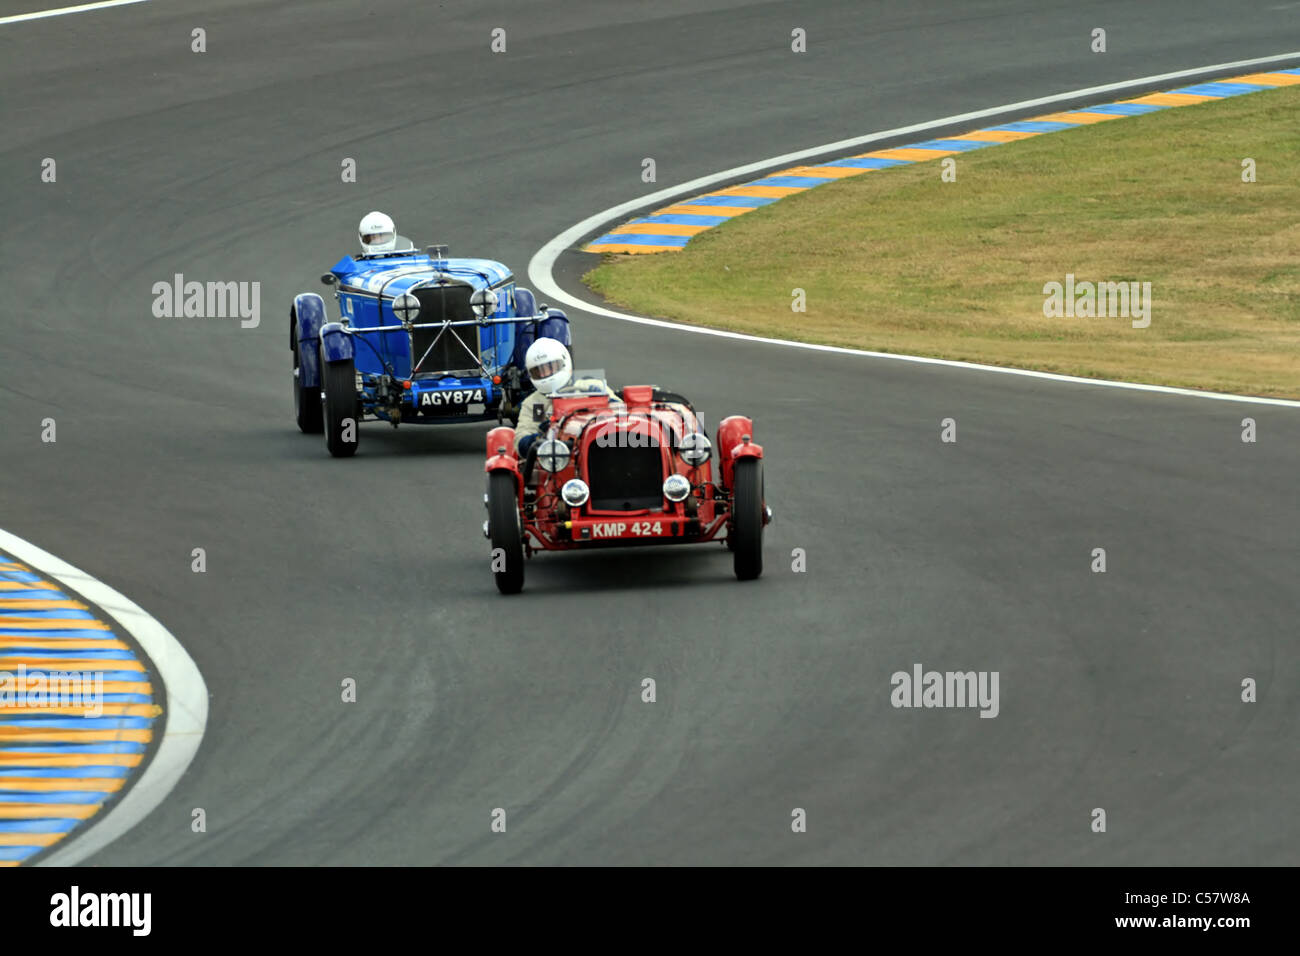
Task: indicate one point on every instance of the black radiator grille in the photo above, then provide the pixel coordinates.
(625, 479)
(449, 355)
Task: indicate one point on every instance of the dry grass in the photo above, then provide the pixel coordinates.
(897, 260)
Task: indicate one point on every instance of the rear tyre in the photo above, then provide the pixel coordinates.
(505, 532)
(339, 407)
(306, 399)
(747, 518)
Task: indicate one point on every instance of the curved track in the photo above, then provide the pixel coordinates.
(1118, 690)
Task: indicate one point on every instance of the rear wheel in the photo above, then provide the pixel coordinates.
(505, 532)
(339, 407)
(306, 399)
(747, 518)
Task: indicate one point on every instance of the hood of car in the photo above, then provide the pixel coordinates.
(393, 275)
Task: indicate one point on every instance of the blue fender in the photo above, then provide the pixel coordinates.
(309, 316)
(555, 326)
(335, 344)
(525, 304)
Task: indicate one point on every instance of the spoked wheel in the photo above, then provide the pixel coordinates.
(747, 518)
(306, 399)
(339, 406)
(505, 532)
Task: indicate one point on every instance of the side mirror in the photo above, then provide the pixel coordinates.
(483, 302)
(329, 278)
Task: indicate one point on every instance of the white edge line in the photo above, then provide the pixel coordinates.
(543, 262)
(185, 716)
(63, 11)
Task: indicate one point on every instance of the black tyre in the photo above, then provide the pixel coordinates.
(747, 518)
(306, 400)
(505, 532)
(339, 407)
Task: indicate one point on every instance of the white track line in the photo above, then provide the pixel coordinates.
(64, 11)
(186, 703)
(541, 266)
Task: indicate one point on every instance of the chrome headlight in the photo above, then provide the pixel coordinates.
(695, 448)
(575, 492)
(553, 455)
(676, 487)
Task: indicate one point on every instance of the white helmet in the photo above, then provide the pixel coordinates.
(377, 233)
(549, 365)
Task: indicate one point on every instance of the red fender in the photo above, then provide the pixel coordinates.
(735, 440)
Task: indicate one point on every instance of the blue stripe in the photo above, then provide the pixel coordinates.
(65, 772)
(959, 145)
(18, 852)
(30, 594)
(24, 699)
(611, 239)
(1032, 126)
(52, 652)
(80, 723)
(75, 633)
(1122, 109)
(46, 825)
(66, 613)
(751, 202)
(116, 747)
(802, 182)
(134, 676)
(682, 220)
(1293, 72)
(57, 796)
(869, 162)
(1221, 89)
(18, 576)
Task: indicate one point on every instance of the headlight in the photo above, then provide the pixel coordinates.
(553, 455)
(695, 448)
(575, 492)
(676, 487)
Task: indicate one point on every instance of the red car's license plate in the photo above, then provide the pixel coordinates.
(629, 529)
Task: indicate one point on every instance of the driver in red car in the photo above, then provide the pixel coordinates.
(550, 367)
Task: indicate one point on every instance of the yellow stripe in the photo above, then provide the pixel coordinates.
(54, 784)
(761, 192)
(729, 211)
(25, 736)
(40, 604)
(13, 566)
(630, 249)
(52, 624)
(39, 811)
(1172, 99)
(913, 155)
(993, 136)
(70, 643)
(28, 586)
(37, 662)
(1267, 79)
(108, 686)
(30, 839)
(1082, 117)
(658, 229)
(825, 172)
(70, 760)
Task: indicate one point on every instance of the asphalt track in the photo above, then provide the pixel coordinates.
(1118, 690)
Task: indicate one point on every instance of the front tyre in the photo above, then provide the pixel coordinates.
(339, 406)
(505, 532)
(747, 518)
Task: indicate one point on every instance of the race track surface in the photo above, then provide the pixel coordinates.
(1118, 690)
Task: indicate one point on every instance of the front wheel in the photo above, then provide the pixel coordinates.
(747, 518)
(505, 532)
(306, 399)
(339, 406)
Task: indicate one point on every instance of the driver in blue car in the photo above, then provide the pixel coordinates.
(550, 367)
(377, 234)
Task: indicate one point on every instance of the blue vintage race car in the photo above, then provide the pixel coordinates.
(421, 339)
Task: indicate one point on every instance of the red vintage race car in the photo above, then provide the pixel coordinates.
(615, 473)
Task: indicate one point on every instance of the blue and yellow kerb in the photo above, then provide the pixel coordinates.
(76, 713)
(671, 228)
